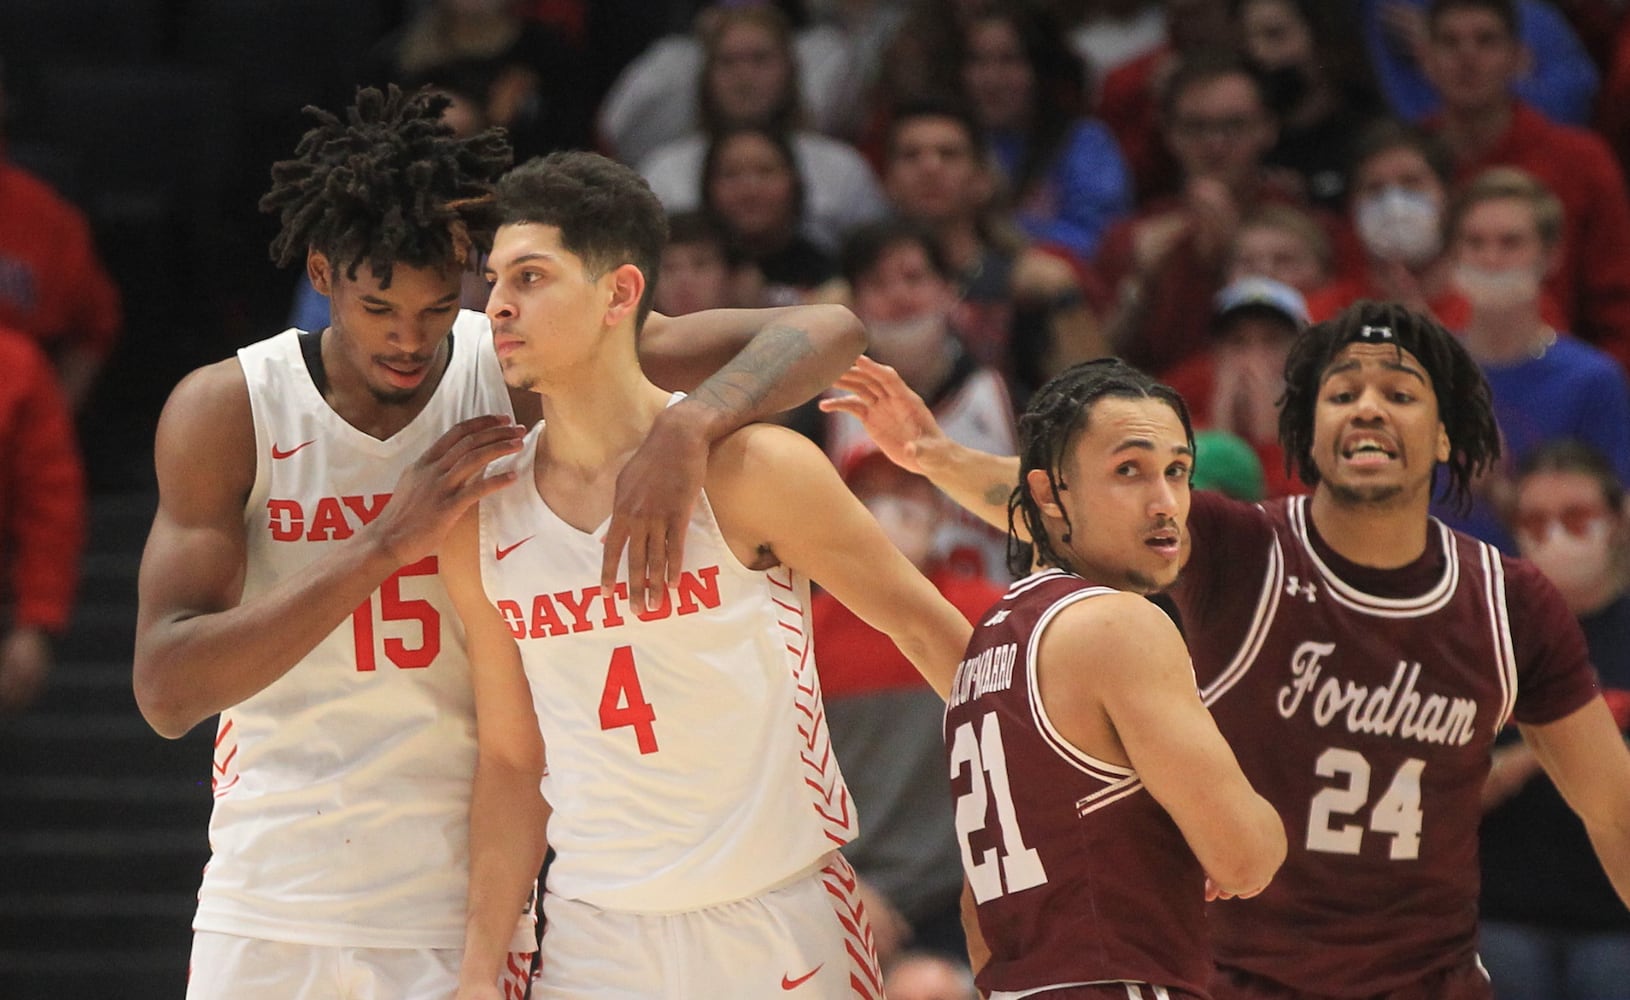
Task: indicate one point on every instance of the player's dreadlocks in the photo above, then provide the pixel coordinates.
(1464, 404)
(391, 183)
(1057, 414)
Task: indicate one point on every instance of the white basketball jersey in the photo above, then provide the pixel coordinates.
(342, 789)
(689, 762)
(978, 414)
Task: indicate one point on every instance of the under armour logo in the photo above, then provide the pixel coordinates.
(1295, 588)
(1376, 334)
(997, 618)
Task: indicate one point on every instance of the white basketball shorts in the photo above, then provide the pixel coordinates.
(807, 940)
(227, 967)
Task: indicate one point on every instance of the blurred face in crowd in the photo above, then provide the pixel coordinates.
(1398, 203)
(996, 74)
(1274, 34)
(1220, 129)
(1565, 526)
(1265, 251)
(902, 285)
(692, 277)
(754, 188)
(749, 75)
(1500, 258)
(1472, 58)
(906, 306)
(934, 174)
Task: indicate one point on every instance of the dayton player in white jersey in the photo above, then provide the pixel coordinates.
(690, 787)
(290, 580)
(278, 871)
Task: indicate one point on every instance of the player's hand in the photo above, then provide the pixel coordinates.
(435, 491)
(1215, 892)
(655, 494)
(25, 662)
(895, 417)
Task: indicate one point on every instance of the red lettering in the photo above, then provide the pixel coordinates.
(365, 508)
(285, 519)
(513, 618)
(657, 613)
(702, 585)
(328, 522)
(613, 617)
(545, 621)
(578, 608)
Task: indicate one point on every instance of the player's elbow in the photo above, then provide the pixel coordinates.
(1249, 851)
(163, 702)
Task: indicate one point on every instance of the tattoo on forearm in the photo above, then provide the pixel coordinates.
(997, 494)
(753, 376)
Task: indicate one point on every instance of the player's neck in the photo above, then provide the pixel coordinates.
(597, 411)
(1381, 535)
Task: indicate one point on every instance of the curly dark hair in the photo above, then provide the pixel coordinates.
(1055, 417)
(389, 184)
(1464, 403)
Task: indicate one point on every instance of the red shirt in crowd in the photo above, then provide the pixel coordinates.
(42, 489)
(53, 287)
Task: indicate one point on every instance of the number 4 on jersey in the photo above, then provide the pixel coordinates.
(622, 703)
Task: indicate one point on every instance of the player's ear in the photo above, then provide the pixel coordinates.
(626, 285)
(1444, 448)
(1043, 493)
(320, 271)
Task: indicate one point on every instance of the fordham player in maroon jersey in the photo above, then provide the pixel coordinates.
(1097, 806)
(1360, 658)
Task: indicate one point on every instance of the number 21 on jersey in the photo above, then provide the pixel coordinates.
(1012, 867)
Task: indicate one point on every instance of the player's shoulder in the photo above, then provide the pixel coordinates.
(1110, 622)
(216, 391)
(758, 448)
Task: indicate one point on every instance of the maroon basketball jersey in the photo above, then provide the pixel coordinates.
(1363, 705)
(1079, 875)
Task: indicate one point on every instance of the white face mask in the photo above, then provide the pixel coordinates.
(1575, 563)
(1494, 290)
(1401, 225)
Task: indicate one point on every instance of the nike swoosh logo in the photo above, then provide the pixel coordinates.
(500, 553)
(788, 983)
(279, 453)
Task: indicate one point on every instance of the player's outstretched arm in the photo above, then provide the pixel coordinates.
(1141, 680)
(778, 498)
(744, 365)
(904, 428)
(508, 814)
(1586, 757)
(198, 649)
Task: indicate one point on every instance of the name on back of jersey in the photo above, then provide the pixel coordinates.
(986, 672)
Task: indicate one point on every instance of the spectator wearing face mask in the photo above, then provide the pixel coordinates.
(1397, 200)
(904, 290)
(1551, 923)
(1504, 230)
